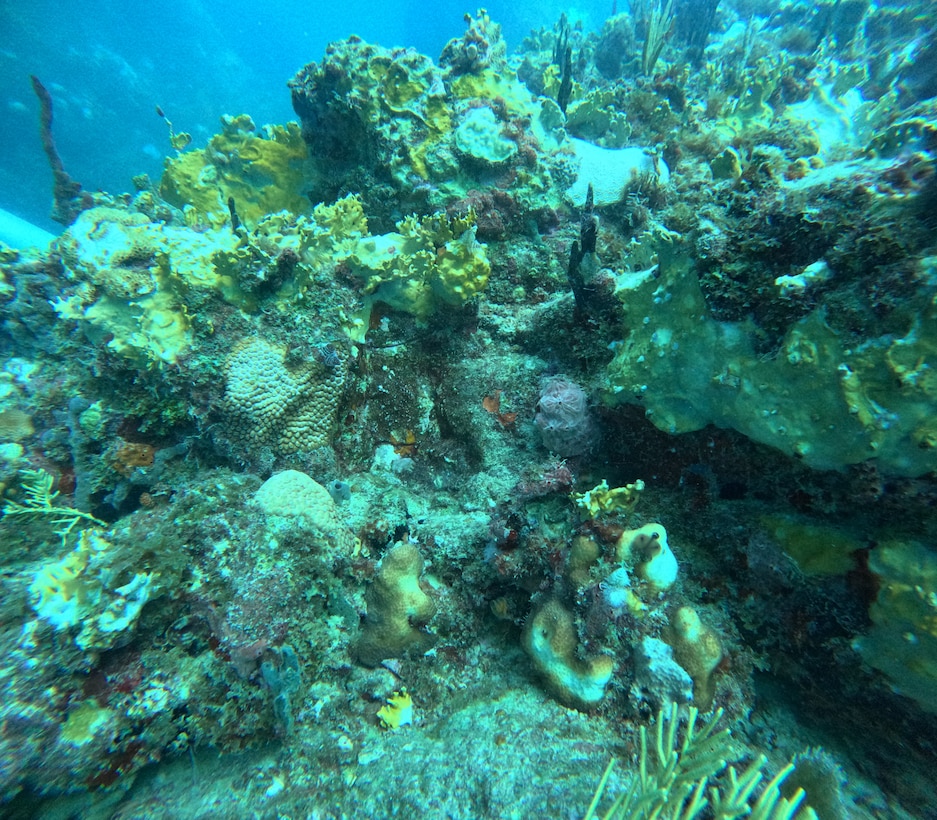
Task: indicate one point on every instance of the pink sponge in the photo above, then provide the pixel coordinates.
(563, 418)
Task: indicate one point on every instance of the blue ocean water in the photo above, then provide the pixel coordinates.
(110, 64)
(411, 410)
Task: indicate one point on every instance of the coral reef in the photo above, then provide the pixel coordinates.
(498, 404)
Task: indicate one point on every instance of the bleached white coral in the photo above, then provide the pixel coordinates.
(610, 170)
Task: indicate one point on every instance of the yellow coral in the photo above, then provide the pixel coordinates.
(426, 262)
(697, 648)
(139, 278)
(461, 270)
(263, 174)
(398, 711)
(85, 723)
(79, 590)
(398, 608)
(492, 85)
(58, 592)
(603, 499)
(551, 642)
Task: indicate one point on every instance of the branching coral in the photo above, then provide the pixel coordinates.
(39, 502)
(677, 786)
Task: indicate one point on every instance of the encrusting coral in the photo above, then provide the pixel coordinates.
(261, 170)
(550, 641)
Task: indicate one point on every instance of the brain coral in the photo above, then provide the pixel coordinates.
(269, 403)
(294, 495)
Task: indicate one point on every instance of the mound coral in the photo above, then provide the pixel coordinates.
(697, 648)
(270, 404)
(398, 608)
(550, 641)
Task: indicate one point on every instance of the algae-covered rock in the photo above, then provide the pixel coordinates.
(141, 281)
(902, 642)
(818, 399)
(479, 137)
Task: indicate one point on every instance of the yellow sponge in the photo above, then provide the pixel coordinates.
(550, 640)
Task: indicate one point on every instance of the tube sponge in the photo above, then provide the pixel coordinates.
(550, 640)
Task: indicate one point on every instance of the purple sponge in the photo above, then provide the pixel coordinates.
(563, 418)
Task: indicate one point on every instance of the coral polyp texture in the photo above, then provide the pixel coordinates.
(267, 403)
(496, 405)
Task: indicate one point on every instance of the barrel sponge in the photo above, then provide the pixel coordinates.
(269, 403)
(397, 609)
(550, 640)
(293, 494)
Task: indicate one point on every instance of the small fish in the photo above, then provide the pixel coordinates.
(327, 355)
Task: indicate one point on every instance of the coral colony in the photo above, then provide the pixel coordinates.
(504, 421)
